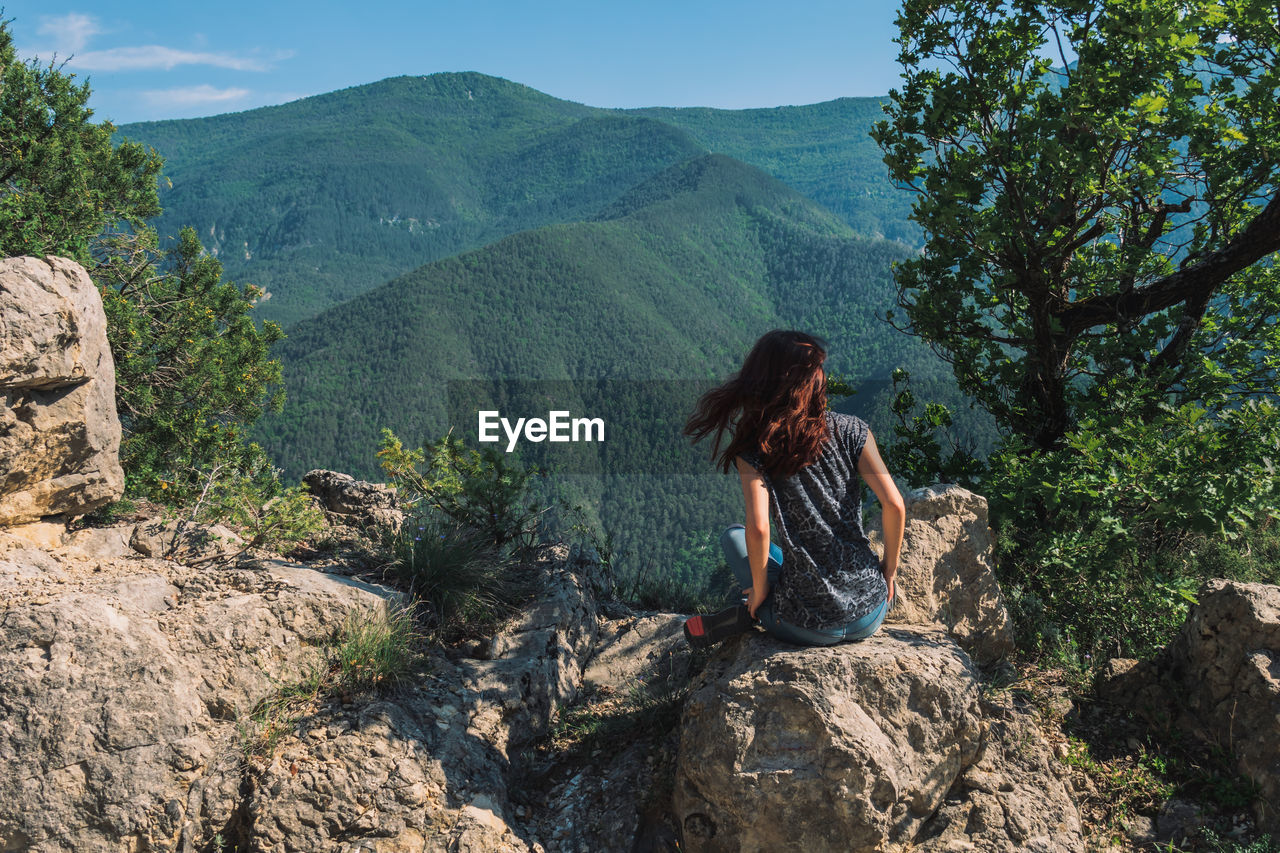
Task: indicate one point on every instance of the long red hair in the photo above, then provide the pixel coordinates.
(775, 405)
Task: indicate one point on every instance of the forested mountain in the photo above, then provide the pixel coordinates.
(420, 231)
(822, 150)
(672, 281)
(327, 197)
(324, 198)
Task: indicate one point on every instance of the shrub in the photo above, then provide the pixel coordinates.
(471, 524)
(248, 495)
(915, 454)
(1225, 844)
(460, 574)
(373, 653)
(478, 490)
(192, 368)
(1096, 540)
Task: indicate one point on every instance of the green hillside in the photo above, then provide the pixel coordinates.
(327, 197)
(822, 150)
(673, 281)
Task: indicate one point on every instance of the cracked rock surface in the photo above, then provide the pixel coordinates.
(883, 744)
(59, 431)
(122, 680)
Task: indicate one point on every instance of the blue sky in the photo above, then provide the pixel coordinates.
(152, 60)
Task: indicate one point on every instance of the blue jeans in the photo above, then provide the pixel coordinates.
(734, 543)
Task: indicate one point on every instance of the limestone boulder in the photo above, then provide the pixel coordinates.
(183, 540)
(946, 573)
(123, 683)
(127, 686)
(347, 500)
(432, 768)
(59, 433)
(885, 744)
(1219, 680)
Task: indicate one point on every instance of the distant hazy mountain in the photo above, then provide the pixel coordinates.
(824, 151)
(325, 198)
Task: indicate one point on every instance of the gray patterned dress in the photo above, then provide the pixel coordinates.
(830, 576)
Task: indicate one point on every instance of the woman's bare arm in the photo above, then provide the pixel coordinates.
(893, 511)
(756, 497)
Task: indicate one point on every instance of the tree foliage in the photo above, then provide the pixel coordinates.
(1098, 185)
(191, 366)
(1107, 534)
(1112, 215)
(61, 180)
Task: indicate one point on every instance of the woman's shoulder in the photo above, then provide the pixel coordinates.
(850, 430)
(752, 458)
(847, 423)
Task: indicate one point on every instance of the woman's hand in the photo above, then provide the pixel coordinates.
(755, 597)
(889, 577)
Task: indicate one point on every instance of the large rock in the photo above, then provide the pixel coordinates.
(1220, 680)
(59, 433)
(607, 789)
(125, 687)
(430, 770)
(869, 746)
(946, 573)
(121, 683)
(347, 500)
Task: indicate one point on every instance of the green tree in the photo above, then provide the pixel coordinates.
(191, 366)
(1098, 186)
(1114, 214)
(192, 369)
(62, 182)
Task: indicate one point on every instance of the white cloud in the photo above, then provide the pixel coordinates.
(189, 96)
(154, 56)
(68, 32)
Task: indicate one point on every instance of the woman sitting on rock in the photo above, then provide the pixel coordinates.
(821, 583)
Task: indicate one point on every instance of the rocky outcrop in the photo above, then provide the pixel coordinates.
(946, 574)
(184, 541)
(59, 433)
(534, 666)
(132, 657)
(885, 744)
(121, 681)
(1220, 680)
(126, 685)
(430, 770)
(608, 791)
(346, 500)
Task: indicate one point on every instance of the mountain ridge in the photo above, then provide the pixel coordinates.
(410, 169)
(625, 313)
